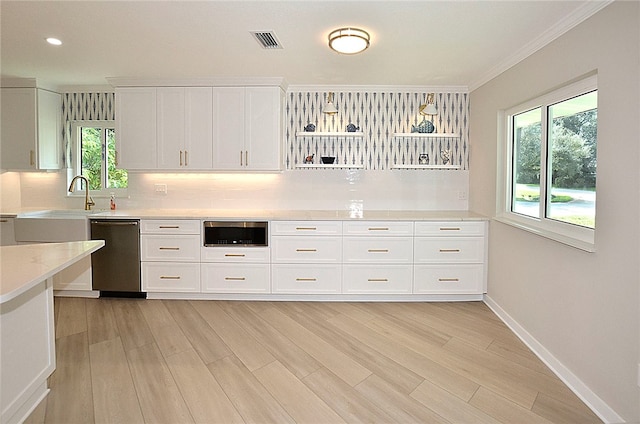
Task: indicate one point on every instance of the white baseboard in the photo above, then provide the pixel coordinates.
(597, 405)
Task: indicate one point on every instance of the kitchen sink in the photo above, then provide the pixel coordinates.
(50, 226)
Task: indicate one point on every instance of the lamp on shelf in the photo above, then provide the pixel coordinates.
(329, 108)
(428, 109)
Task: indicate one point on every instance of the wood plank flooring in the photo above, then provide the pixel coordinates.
(177, 361)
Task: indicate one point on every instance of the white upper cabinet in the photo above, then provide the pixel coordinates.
(247, 128)
(31, 129)
(136, 128)
(185, 117)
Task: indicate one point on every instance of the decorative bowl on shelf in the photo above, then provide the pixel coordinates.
(328, 159)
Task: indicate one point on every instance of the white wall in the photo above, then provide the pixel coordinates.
(584, 308)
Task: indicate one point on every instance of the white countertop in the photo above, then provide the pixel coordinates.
(303, 215)
(25, 266)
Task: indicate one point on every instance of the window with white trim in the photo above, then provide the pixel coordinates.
(548, 165)
(94, 157)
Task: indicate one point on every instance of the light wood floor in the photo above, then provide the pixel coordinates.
(133, 361)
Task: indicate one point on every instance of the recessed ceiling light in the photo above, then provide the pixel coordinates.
(54, 41)
(349, 40)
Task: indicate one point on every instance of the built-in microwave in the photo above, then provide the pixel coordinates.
(236, 233)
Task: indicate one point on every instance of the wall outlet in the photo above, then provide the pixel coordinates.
(462, 195)
(161, 188)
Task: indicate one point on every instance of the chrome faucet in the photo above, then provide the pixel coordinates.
(88, 201)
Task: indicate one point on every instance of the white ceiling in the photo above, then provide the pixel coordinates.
(413, 43)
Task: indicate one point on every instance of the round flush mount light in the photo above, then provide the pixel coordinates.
(348, 40)
(54, 41)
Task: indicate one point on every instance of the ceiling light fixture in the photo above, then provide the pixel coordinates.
(329, 108)
(54, 41)
(348, 40)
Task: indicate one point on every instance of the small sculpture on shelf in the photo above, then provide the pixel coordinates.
(310, 127)
(309, 159)
(446, 156)
(352, 128)
(423, 159)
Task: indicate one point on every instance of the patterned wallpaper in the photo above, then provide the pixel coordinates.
(379, 115)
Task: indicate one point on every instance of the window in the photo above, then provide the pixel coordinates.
(95, 157)
(549, 165)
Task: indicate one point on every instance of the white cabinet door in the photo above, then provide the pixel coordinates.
(377, 279)
(31, 129)
(178, 248)
(170, 277)
(184, 127)
(307, 279)
(262, 134)
(247, 128)
(136, 128)
(235, 278)
(228, 128)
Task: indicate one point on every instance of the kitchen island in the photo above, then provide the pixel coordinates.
(26, 321)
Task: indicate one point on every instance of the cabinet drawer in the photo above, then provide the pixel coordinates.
(449, 249)
(172, 226)
(450, 229)
(306, 279)
(447, 279)
(170, 277)
(306, 249)
(302, 228)
(377, 279)
(235, 278)
(180, 248)
(235, 254)
(383, 249)
(378, 228)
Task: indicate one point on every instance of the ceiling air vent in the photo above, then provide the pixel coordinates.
(267, 39)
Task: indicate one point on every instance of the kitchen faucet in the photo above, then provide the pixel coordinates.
(88, 201)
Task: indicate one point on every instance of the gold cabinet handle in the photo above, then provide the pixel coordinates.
(449, 250)
(4, 220)
(246, 158)
(186, 161)
(169, 226)
(169, 277)
(169, 248)
(378, 280)
(306, 250)
(306, 279)
(378, 229)
(306, 228)
(32, 161)
(378, 250)
(234, 278)
(241, 158)
(234, 255)
(449, 228)
(180, 157)
(452, 280)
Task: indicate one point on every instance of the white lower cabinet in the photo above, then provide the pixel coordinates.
(448, 279)
(170, 277)
(170, 256)
(235, 278)
(306, 278)
(377, 279)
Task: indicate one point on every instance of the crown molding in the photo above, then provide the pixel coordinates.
(582, 13)
(379, 88)
(199, 82)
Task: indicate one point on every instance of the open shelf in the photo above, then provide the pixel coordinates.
(426, 135)
(425, 166)
(324, 165)
(329, 134)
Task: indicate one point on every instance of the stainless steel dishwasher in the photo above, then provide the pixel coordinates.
(115, 268)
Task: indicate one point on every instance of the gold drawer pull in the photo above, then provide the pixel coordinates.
(4, 220)
(306, 250)
(449, 250)
(378, 250)
(234, 255)
(168, 277)
(169, 226)
(169, 248)
(449, 228)
(306, 279)
(381, 280)
(234, 278)
(306, 228)
(378, 229)
(443, 280)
